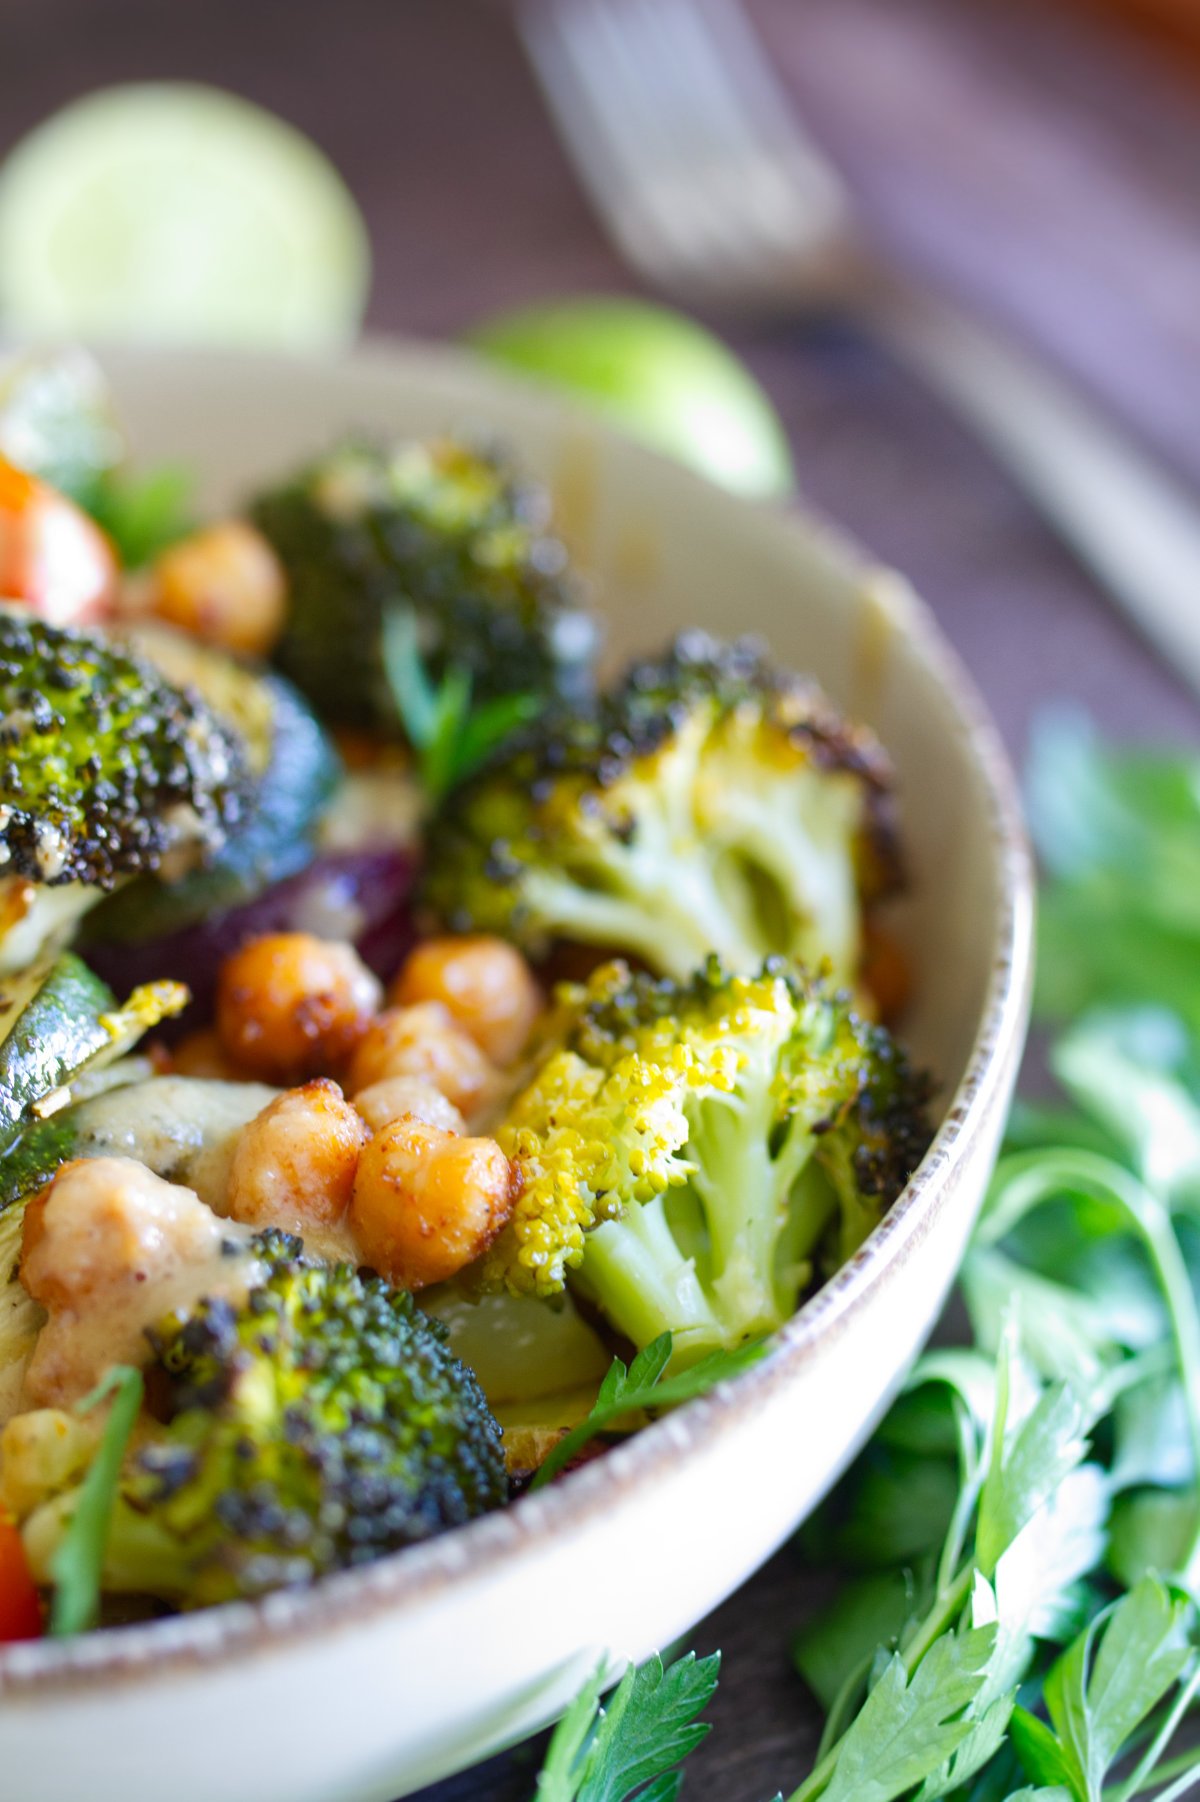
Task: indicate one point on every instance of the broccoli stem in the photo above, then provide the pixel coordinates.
(664, 908)
(745, 1189)
(634, 1269)
(796, 842)
(738, 1286)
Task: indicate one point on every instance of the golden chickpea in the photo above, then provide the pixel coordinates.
(486, 985)
(223, 584)
(424, 1042)
(291, 1006)
(426, 1202)
(294, 1164)
(386, 1101)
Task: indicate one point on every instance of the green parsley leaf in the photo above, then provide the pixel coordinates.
(561, 1769)
(1150, 1436)
(1153, 1530)
(643, 1386)
(838, 1647)
(450, 736)
(909, 1726)
(142, 514)
(648, 1728)
(1027, 1469)
(1103, 1687)
(1119, 832)
(79, 1559)
(1117, 1204)
(633, 1744)
(1134, 1071)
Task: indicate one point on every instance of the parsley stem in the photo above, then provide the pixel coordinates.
(1188, 1781)
(1172, 1273)
(843, 1707)
(1040, 1176)
(77, 1565)
(1148, 1773)
(970, 1478)
(1141, 1367)
(942, 1615)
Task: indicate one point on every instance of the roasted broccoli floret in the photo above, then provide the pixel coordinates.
(447, 530)
(711, 802)
(689, 1152)
(321, 1424)
(106, 766)
(107, 770)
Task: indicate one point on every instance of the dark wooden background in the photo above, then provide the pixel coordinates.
(1036, 159)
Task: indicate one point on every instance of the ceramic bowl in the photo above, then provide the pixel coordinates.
(379, 1681)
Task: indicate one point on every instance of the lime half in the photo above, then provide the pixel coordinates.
(659, 375)
(177, 213)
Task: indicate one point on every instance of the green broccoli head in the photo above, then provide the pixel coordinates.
(320, 1424)
(107, 767)
(689, 1150)
(711, 802)
(448, 530)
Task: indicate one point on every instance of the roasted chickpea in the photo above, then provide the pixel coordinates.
(484, 983)
(290, 1006)
(223, 584)
(386, 1101)
(424, 1042)
(426, 1202)
(294, 1164)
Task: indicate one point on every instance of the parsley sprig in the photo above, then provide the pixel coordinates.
(79, 1559)
(633, 1743)
(642, 1387)
(451, 734)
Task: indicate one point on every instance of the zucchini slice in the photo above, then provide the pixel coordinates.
(60, 1023)
(295, 772)
(184, 1128)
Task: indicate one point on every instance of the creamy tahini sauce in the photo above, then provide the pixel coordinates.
(117, 1249)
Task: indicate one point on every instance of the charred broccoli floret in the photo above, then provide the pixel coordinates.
(321, 1424)
(107, 769)
(688, 1151)
(711, 802)
(447, 530)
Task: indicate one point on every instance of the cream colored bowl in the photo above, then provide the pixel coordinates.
(382, 1680)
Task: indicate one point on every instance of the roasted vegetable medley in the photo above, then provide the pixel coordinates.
(397, 1025)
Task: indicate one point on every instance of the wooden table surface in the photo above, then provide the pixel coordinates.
(1032, 160)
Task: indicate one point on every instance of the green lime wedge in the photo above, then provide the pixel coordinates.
(657, 374)
(177, 213)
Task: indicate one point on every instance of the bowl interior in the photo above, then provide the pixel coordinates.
(667, 551)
